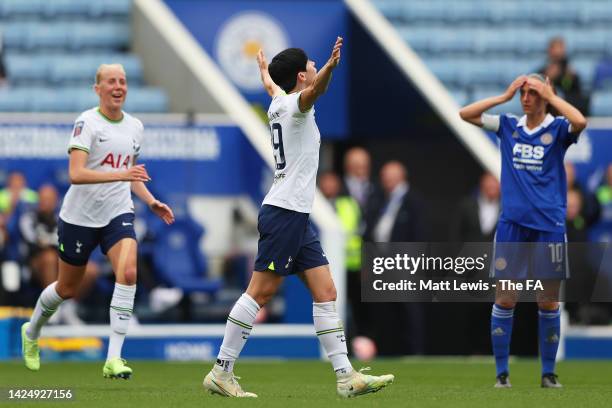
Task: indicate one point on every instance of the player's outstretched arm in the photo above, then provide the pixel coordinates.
(573, 115)
(80, 174)
(268, 83)
(162, 210)
(472, 113)
(321, 82)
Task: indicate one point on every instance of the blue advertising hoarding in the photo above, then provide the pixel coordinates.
(233, 31)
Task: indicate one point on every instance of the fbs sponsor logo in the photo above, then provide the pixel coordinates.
(527, 151)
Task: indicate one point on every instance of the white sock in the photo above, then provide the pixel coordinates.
(47, 304)
(237, 331)
(121, 309)
(330, 331)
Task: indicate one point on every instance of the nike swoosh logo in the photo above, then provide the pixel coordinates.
(102, 140)
(125, 224)
(221, 388)
(124, 318)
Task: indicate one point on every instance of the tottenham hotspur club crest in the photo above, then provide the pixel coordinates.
(79, 244)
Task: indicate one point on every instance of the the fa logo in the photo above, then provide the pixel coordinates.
(527, 151)
(79, 244)
(116, 162)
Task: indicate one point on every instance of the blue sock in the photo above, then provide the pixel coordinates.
(549, 325)
(501, 332)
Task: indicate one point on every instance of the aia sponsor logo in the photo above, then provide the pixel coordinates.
(117, 161)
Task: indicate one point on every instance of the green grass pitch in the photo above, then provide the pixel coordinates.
(419, 382)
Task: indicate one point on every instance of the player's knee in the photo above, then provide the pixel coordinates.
(130, 275)
(262, 298)
(65, 291)
(328, 294)
(548, 305)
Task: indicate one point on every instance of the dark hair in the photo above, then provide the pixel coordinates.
(286, 65)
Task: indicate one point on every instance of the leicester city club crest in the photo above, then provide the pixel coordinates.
(238, 42)
(546, 139)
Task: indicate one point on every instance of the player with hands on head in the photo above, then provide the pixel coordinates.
(98, 210)
(534, 195)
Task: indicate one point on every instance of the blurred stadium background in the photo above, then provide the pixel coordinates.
(407, 67)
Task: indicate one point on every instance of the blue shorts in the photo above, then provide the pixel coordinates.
(287, 243)
(525, 253)
(76, 243)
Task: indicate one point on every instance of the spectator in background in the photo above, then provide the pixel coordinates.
(16, 191)
(38, 229)
(563, 76)
(475, 221)
(397, 215)
(349, 213)
(590, 209)
(585, 312)
(356, 180)
(477, 215)
(604, 196)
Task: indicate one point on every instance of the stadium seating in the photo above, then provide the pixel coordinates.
(53, 48)
(478, 44)
(178, 259)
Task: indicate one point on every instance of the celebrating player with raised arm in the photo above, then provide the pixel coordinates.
(98, 210)
(288, 243)
(534, 195)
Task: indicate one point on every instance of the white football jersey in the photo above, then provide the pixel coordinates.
(112, 147)
(295, 141)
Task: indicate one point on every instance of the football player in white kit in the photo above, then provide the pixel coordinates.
(288, 243)
(98, 210)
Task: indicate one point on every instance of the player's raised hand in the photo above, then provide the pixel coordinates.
(266, 79)
(163, 211)
(514, 86)
(335, 56)
(261, 61)
(545, 90)
(136, 173)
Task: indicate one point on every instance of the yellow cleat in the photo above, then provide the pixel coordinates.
(116, 368)
(30, 350)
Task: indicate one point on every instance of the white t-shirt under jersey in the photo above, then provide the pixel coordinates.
(296, 141)
(112, 146)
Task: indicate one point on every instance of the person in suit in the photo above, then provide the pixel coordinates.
(356, 181)
(475, 221)
(397, 215)
(477, 215)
